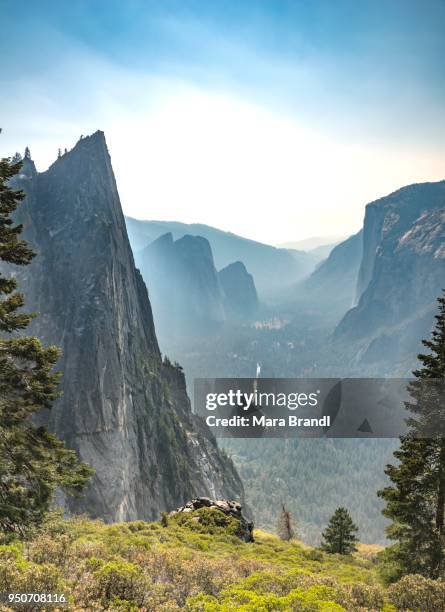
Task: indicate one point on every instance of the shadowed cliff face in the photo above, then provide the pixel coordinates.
(240, 296)
(183, 284)
(402, 273)
(123, 409)
(328, 292)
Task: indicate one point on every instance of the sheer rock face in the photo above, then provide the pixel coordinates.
(402, 272)
(240, 296)
(124, 410)
(330, 289)
(184, 287)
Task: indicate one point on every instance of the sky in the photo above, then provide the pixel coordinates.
(274, 119)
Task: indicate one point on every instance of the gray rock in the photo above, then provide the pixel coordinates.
(232, 508)
(240, 296)
(401, 276)
(184, 288)
(123, 409)
(330, 289)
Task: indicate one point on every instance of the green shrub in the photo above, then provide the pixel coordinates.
(11, 552)
(208, 520)
(388, 565)
(194, 563)
(362, 596)
(202, 603)
(314, 554)
(89, 549)
(120, 580)
(49, 549)
(415, 592)
(21, 576)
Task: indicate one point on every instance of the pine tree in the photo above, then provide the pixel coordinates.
(284, 527)
(339, 536)
(416, 501)
(33, 461)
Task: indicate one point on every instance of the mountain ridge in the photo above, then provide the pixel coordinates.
(268, 264)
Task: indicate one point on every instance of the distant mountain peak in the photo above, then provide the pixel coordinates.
(236, 265)
(241, 299)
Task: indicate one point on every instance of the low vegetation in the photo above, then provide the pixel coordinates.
(181, 563)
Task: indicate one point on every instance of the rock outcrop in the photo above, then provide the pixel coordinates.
(240, 296)
(230, 508)
(183, 283)
(123, 408)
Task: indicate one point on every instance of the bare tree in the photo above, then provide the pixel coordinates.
(284, 527)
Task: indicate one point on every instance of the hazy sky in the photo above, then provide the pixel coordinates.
(275, 119)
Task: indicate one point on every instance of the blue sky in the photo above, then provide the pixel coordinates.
(275, 119)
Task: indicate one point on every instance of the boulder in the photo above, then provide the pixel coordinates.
(232, 508)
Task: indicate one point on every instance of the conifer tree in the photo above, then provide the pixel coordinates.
(339, 536)
(285, 529)
(33, 461)
(416, 500)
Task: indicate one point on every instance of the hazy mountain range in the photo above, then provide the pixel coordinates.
(317, 244)
(361, 311)
(271, 267)
(190, 298)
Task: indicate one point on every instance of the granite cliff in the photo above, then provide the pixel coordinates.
(330, 290)
(401, 275)
(240, 296)
(184, 288)
(124, 409)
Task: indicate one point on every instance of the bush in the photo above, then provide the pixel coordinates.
(190, 564)
(362, 596)
(315, 599)
(49, 549)
(388, 565)
(208, 520)
(314, 554)
(88, 549)
(21, 576)
(415, 592)
(120, 580)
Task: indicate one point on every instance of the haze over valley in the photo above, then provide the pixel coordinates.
(338, 317)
